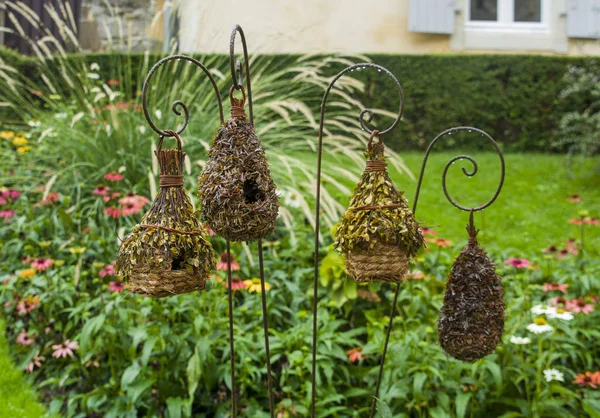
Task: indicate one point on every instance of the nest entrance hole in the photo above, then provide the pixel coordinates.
(252, 192)
(177, 263)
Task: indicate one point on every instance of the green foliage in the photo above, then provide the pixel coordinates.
(580, 129)
(18, 399)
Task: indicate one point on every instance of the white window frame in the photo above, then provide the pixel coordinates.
(506, 23)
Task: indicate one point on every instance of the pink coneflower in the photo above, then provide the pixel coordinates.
(132, 204)
(579, 306)
(36, 361)
(574, 198)
(550, 250)
(520, 263)
(427, 231)
(65, 349)
(110, 197)
(576, 221)
(50, 199)
(440, 242)
(41, 264)
(561, 300)
(236, 283)
(24, 339)
(588, 379)
(116, 287)
(113, 177)
(108, 270)
(14, 194)
(28, 304)
(354, 354)
(101, 190)
(3, 200)
(112, 212)
(222, 264)
(550, 287)
(113, 82)
(592, 221)
(7, 214)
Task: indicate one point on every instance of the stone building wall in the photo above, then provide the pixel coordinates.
(126, 25)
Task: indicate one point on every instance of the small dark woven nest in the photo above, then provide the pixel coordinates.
(471, 320)
(168, 253)
(378, 233)
(238, 195)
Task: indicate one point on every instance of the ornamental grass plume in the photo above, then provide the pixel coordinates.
(238, 195)
(378, 233)
(471, 320)
(168, 253)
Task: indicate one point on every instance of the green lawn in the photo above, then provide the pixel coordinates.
(17, 398)
(532, 211)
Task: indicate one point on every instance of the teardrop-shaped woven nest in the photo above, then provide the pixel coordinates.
(238, 195)
(378, 233)
(471, 320)
(168, 253)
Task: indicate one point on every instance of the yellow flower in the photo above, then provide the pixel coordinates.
(23, 150)
(77, 250)
(27, 274)
(45, 244)
(253, 286)
(7, 134)
(20, 141)
(540, 321)
(59, 263)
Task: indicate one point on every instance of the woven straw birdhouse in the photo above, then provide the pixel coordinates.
(238, 196)
(471, 321)
(168, 253)
(378, 233)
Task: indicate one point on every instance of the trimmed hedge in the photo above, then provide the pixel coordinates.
(515, 98)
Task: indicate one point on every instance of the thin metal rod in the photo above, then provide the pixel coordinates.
(414, 209)
(231, 341)
(363, 124)
(266, 326)
(237, 74)
(385, 347)
(177, 103)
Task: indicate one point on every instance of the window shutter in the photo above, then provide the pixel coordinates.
(431, 16)
(583, 19)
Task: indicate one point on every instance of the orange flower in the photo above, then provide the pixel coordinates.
(354, 354)
(441, 242)
(588, 379)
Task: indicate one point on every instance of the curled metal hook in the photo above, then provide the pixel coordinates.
(466, 172)
(237, 71)
(178, 105)
(368, 112)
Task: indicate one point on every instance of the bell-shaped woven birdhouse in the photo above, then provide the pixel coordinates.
(471, 321)
(168, 253)
(238, 196)
(378, 233)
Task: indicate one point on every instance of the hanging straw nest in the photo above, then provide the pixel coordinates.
(471, 321)
(378, 233)
(239, 200)
(168, 253)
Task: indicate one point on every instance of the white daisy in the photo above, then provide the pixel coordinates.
(543, 310)
(553, 374)
(94, 66)
(520, 340)
(560, 314)
(539, 329)
(93, 76)
(290, 199)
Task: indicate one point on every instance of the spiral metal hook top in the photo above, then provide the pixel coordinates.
(468, 173)
(178, 105)
(237, 70)
(365, 117)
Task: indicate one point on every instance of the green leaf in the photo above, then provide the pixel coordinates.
(462, 402)
(383, 410)
(129, 375)
(174, 407)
